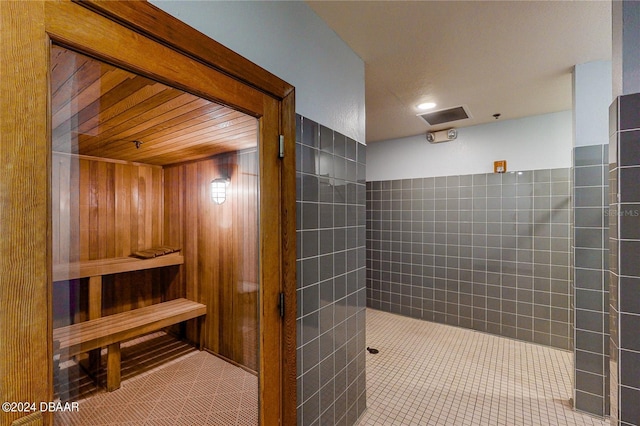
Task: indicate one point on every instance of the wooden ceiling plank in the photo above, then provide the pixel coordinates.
(64, 120)
(87, 102)
(172, 150)
(154, 122)
(201, 146)
(122, 127)
(181, 122)
(175, 126)
(209, 111)
(142, 112)
(205, 133)
(55, 53)
(141, 101)
(121, 91)
(169, 141)
(94, 105)
(85, 108)
(187, 155)
(62, 67)
(85, 74)
(192, 127)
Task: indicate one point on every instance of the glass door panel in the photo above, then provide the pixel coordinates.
(155, 235)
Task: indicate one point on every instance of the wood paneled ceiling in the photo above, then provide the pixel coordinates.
(100, 110)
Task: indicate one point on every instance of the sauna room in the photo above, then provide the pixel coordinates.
(154, 211)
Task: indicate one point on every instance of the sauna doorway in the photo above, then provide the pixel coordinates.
(170, 229)
(154, 200)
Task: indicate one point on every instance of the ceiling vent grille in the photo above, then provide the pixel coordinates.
(445, 115)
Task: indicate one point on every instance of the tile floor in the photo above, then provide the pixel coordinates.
(193, 388)
(433, 374)
(424, 374)
(140, 356)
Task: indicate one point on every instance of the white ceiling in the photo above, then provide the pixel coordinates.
(509, 57)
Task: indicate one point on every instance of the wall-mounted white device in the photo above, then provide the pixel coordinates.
(442, 136)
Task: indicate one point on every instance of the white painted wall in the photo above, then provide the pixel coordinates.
(289, 40)
(531, 143)
(592, 95)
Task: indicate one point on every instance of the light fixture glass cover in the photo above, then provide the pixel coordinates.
(219, 190)
(426, 105)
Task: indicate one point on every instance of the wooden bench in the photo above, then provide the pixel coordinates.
(115, 265)
(98, 331)
(95, 269)
(109, 331)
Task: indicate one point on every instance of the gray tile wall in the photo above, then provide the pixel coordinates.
(624, 235)
(591, 278)
(331, 276)
(489, 252)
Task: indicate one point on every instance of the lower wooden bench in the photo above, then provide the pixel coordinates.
(109, 331)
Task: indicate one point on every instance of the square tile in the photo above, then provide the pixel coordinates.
(588, 155)
(629, 105)
(629, 188)
(629, 148)
(629, 336)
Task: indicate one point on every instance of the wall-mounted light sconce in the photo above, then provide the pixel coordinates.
(219, 190)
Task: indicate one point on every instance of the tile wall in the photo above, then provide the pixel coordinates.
(624, 237)
(591, 278)
(489, 252)
(331, 276)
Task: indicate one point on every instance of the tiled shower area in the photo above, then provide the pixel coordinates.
(456, 376)
(490, 252)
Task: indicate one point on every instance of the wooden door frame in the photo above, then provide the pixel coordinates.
(25, 285)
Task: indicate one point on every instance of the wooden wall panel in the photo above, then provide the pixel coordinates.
(103, 209)
(220, 248)
(83, 213)
(174, 216)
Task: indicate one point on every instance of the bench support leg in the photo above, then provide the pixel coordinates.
(200, 332)
(113, 367)
(95, 311)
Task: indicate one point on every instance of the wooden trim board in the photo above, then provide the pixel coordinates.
(148, 19)
(25, 307)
